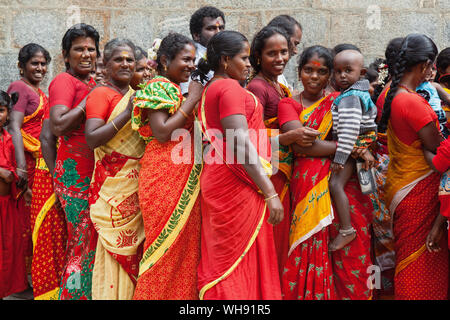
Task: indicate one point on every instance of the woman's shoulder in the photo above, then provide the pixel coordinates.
(257, 83)
(288, 102)
(225, 85)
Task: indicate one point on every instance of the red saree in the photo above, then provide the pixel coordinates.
(168, 196)
(238, 258)
(269, 98)
(307, 273)
(49, 234)
(13, 275)
(411, 192)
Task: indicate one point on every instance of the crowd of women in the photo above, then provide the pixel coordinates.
(119, 186)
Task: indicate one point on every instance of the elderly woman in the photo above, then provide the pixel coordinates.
(113, 200)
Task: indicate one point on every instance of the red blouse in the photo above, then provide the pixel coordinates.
(101, 102)
(409, 114)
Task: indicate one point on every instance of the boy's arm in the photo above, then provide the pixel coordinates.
(350, 116)
(443, 95)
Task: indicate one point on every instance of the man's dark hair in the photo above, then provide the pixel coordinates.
(285, 22)
(196, 22)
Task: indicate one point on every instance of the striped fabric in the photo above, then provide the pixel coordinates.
(352, 116)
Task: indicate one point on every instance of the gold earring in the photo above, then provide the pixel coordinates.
(226, 66)
(165, 68)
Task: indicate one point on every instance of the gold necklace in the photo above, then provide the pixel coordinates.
(301, 99)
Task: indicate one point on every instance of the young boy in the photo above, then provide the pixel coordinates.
(353, 125)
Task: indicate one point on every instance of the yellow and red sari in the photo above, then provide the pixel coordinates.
(411, 193)
(169, 185)
(31, 129)
(49, 233)
(308, 271)
(238, 257)
(115, 212)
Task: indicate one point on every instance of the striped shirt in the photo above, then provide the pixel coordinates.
(351, 117)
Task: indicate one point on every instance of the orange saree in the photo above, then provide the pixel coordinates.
(168, 196)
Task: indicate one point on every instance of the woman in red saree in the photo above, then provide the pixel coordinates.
(238, 258)
(411, 190)
(25, 128)
(74, 160)
(269, 54)
(169, 182)
(13, 276)
(113, 199)
(310, 273)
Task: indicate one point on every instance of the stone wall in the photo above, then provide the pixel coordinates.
(368, 24)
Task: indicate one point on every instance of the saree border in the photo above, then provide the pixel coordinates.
(41, 217)
(175, 223)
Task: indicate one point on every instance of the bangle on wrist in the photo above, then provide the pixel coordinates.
(22, 170)
(81, 108)
(183, 113)
(114, 125)
(271, 197)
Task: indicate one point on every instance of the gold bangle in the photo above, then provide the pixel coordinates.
(114, 125)
(271, 197)
(81, 108)
(183, 113)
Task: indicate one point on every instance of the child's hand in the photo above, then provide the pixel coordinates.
(6, 175)
(336, 167)
(27, 197)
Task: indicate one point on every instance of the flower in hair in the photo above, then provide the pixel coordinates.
(153, 51)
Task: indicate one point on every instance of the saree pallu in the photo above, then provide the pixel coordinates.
(307, 274)
(115, 212)
(354, 276)
(31, 129)
(49, 235)
(169, 185)
(281, 180)
(412, 194)
(238, 260)
(419, 274)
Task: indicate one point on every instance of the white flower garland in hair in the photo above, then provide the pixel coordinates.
(153, 51)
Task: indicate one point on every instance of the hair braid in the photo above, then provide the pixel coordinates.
(398, 71)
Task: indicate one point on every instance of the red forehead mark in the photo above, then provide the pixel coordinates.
(316, 63)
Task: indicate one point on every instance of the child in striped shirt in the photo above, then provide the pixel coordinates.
(353, 126)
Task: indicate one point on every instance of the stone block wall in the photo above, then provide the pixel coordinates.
(368, 24)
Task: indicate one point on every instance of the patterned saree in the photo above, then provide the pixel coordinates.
(49, 234)
(115, 212)
(31, 129)
(411, 193)
(169, 185)
(307, 274)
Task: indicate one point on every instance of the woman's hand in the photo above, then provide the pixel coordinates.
(304, 136)
(22, 182)
(435, 235)
(195, 90)
(366, 155)
(130, 103)
(276, 211)
(27, 196)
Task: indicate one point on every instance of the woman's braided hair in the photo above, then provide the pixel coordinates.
(415, 49)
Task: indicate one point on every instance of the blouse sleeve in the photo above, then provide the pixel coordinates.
(259, 90)
(98, 103)
(232, 98)
(61, 91)
(442, 159)
(418, 112)
(287, 111)
(22, 102)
